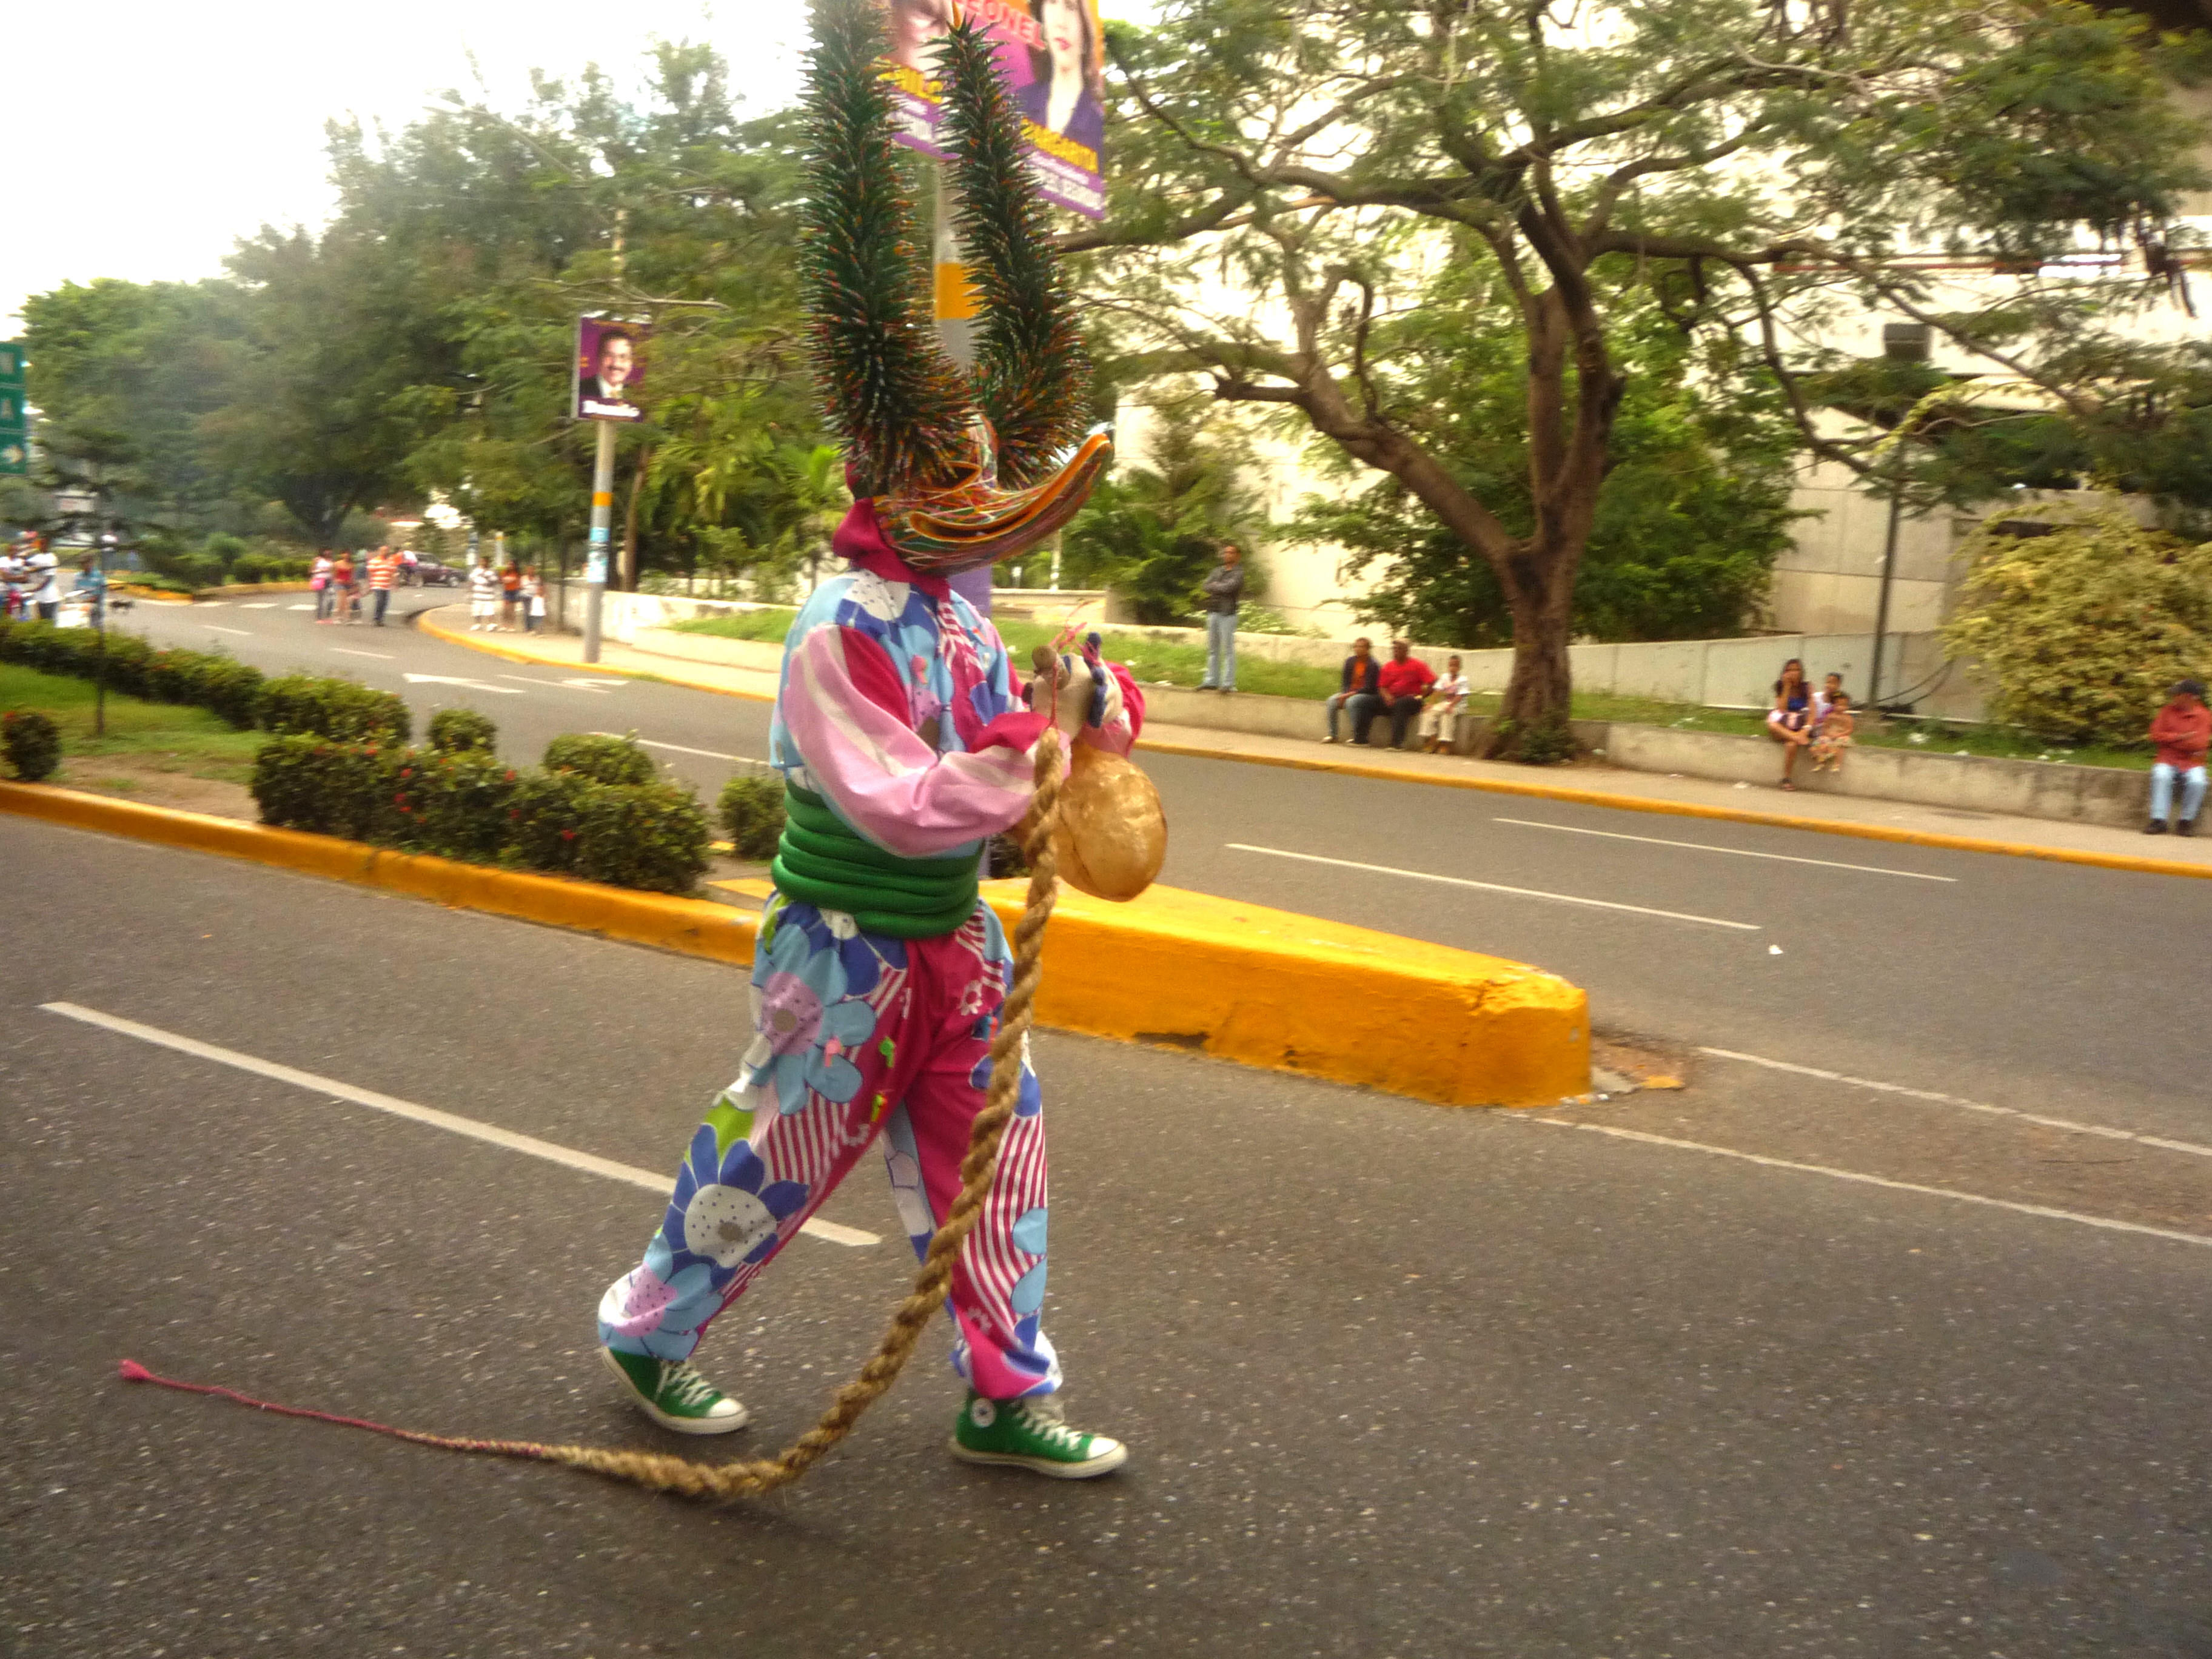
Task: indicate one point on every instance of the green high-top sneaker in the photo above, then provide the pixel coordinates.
(1031, 1434)
(674, 1394)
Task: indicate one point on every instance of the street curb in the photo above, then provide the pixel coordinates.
(1690, 810)
(1266, 987)
(2016, 849)
(545, 660)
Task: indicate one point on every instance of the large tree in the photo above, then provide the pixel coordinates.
(1290, 173)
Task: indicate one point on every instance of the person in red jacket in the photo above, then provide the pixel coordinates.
(2182, 729)
(1406, 680)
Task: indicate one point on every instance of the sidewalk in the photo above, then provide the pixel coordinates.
(1590, 784)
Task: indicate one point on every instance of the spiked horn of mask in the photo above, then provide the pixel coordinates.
(962, 469)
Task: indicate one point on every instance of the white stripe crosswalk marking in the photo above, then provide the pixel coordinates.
(567, 1156)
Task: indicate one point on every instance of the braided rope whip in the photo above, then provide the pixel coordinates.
(721, 1482)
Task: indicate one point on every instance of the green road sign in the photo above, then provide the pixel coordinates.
(11, 364)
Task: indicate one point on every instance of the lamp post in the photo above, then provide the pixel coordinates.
(102, 545)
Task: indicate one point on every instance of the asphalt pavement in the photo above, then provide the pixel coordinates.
(1400, 1381)
(2038, 985)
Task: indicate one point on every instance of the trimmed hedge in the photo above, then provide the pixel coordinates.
(31, 742)
(603, 760)
(465, 805)
(456, 729)
(752, 811)
(203, 678)
(322, 706)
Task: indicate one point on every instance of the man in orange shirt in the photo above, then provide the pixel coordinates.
(2182, 729)
(383, 571)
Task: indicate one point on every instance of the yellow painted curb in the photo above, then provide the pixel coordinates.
(693, 926)
(2018, 849)
(545, 658)
(1289, 992)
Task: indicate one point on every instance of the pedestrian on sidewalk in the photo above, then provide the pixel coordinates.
(383, 571)
(42, 578)
(483, 596)
(1224, 589)
(2182, 729)
(533, 601)
(1440, 715)
(510, 594)
(1405, 682)
(1789, 722)
(1359, 679)
(319, 581)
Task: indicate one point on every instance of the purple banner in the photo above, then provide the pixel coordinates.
(1054, 53)
(609, 368)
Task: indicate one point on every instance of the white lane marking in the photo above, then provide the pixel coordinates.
(1496, 887)
(473, 685)
(1704, 847)
(2066, 1123)
(2044, 1210)
(244, 634)
(259, 605)
(709, 754)
(381, 656)
(573, 685)
(568, 1157)
(589, 683)
(301, 607)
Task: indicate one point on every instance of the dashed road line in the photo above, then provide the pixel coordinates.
(244, 634)
(1863, 1179)
(1497, 887)
(705, 754)
(1738, 851)
(567, 1156)
(1933, 1096)
(381, 656)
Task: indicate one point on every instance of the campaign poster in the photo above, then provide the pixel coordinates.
(609, 368)
(1054, 53)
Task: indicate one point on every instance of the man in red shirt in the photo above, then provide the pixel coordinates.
(1405, 681)
(2182, 729)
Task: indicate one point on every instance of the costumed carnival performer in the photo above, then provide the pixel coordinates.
(904, 743)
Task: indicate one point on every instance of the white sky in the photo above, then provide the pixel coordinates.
(146, 138)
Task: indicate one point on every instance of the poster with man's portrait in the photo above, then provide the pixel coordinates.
(1054, 54)
(609, 368)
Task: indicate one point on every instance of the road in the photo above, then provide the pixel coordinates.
(1401, 1381)
(2041, 987)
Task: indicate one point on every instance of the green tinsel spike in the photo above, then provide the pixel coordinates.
(1030, 377)
(898, 402)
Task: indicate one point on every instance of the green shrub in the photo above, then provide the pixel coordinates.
(458, 729)
(543, 818)
(2080, 633)
(454, 805)
(751, 811)
(1547, 742)
(602, 759)
(307, 782)
(31, 742)
(342, 709)
(651, 835)
(203, 678)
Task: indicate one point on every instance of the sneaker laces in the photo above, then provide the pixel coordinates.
(682, 1385)
(1047, 1415)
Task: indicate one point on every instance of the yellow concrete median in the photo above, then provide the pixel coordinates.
(1266, 987)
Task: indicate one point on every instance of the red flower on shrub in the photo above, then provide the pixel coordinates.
(510, 776)
(568, 834)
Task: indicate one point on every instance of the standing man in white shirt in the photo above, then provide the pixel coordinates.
(483, 597)
(43, 578)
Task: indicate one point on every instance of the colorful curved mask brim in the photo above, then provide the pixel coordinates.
(973, 524)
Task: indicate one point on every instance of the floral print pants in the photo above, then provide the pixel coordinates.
(857, 1035)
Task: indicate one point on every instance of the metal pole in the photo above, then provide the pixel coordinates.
(99, 627)
(1882, 602)
(595, 562)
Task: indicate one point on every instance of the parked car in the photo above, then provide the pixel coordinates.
(429, 573)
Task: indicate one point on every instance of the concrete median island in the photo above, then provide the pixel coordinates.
(1267, 988)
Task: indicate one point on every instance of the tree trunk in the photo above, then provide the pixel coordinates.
(1540, 593)
(626, 569)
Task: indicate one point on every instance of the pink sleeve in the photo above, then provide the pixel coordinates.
(845, 709)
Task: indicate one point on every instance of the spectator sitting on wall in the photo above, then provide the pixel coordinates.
(1440, 717)
(1832, 733)
(1789, 722)
(2182, 729)
(1406, 680)
(1357, 687)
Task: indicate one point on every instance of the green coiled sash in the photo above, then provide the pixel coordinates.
(822, 861)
